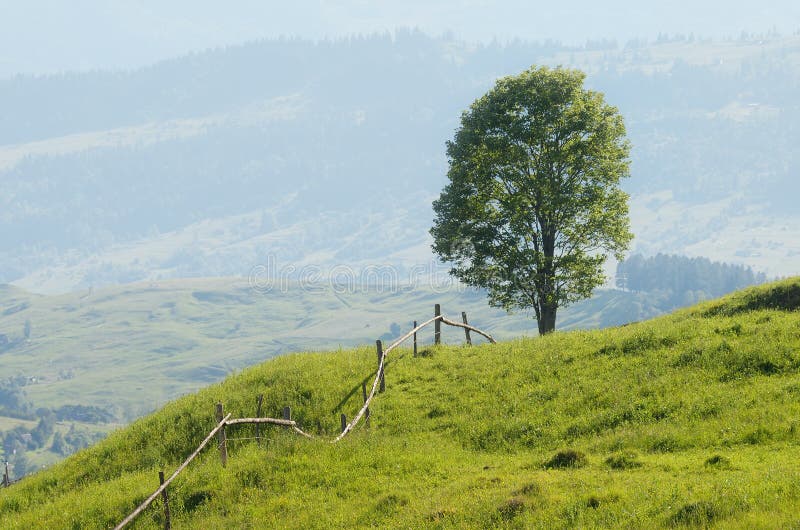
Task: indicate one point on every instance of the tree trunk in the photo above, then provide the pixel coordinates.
(548, 304)
(547, 318)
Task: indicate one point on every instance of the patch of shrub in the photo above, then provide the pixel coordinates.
(568, 458)
(532, 488)
(718, 461)
(436, 412)
(750, 363)
(640, 343)
(251, 477)
(511, 508)
(593, 502)
(637, 344)
(688, 358)
(735, 329)
(666, 444)
(438, 515)
(758, 436)
(695, 513)
(621, 461)
(390, 503)
(195, 500)
(504, 436)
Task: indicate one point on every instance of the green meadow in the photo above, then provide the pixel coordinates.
(686, 420)
(129, 349)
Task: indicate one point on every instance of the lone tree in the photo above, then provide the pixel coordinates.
(534, 206)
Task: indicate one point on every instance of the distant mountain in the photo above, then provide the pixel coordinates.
(329, 154)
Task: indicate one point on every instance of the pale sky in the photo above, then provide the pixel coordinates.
(44, 36)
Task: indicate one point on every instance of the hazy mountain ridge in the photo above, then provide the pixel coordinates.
(713, 122)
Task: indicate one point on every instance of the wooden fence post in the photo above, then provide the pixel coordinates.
(415, 339)
(259, 401)
(466, 331)
(437, 325)
(167, 522)
(364, 394)
(6, 478)
(379, 348)
(223, 445)
(287, 415)
(344, 422)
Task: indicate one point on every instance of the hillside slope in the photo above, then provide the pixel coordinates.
(98, 347)
(689, 419)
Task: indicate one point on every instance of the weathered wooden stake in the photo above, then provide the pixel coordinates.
(167, 522)
(379, 348)
(287, 415)
(344, 422)
(223, 444)
(364, 394)
(466, 331)
(415, 339)
(259, 401)
(437, 324)
(6, 478)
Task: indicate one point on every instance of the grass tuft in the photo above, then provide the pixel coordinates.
(568, 458)
(511, 508)
(695, 514)
(718, 461)
(622, 461)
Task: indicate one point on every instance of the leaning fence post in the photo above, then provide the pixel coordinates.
(437, 324)
(364, 394)
(259, 400)
(415, 339)
(223, 445)
(379, 348)
(344, 422)
(466, 330)
(167, 522)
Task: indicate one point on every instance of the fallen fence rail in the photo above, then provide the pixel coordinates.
(377, 386)
(163, 486)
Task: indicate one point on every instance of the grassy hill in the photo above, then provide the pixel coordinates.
(688, 419)
(129, 349)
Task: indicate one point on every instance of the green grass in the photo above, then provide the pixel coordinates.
(689, 420)
(132, 348)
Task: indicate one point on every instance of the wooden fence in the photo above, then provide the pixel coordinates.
(378, 386)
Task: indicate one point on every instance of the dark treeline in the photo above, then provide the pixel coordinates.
(681, 280)
(17, 442)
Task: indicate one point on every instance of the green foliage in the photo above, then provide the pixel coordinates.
(459, 438)
(533, 206)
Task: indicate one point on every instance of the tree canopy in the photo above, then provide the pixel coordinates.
(533, 206)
